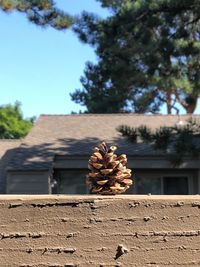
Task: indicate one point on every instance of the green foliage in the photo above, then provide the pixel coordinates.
(40, 12)
(177, 142)
(162, 137)
(148, 56)
(129, 132)
(145, 133)
(12, 123)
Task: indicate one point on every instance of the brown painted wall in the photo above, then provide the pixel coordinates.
(99, 231)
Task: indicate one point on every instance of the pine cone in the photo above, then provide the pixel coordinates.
(108, 173)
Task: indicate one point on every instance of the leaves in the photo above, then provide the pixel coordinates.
(12, 124)
(162, 137)
(148, 56)
(178, 141)
(41, 12)
(129, 132)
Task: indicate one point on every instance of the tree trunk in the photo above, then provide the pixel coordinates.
(169, 104)
(189, 107)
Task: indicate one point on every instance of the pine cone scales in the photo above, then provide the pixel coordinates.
(108, 173)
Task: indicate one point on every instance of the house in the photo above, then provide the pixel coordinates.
(7, 151)
(53, 157)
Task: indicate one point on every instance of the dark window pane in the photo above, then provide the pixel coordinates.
(175, 185)
(71, 182)
(148, 185)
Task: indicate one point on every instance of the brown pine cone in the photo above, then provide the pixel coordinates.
(108, 173)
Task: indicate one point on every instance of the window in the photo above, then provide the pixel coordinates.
(167, 185)
(173, 185)
(70, 182)
(147, 185)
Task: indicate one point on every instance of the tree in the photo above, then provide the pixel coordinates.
(40, 12)
(12, 123)
(148, 55)
(176, 142)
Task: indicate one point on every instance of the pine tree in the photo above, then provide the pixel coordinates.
(176, 142)
(148, 55)
(108, 173)
(40, 12)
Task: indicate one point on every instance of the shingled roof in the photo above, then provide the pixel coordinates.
(7, 150)
(76, 135)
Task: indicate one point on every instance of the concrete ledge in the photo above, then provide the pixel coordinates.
(77, 230)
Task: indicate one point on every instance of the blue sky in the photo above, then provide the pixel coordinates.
(40, 67)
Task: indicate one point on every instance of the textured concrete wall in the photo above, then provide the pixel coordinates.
(99, 231)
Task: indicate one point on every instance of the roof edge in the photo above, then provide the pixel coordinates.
(119, 114)
(11, 140)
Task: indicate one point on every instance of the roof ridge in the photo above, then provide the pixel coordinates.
(10, 140)
(119, 114)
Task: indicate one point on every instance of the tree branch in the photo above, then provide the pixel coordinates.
(181, 101)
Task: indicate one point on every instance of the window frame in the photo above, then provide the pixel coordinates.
(189, 181)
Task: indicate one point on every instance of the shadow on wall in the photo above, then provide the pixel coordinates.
(40, 156)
